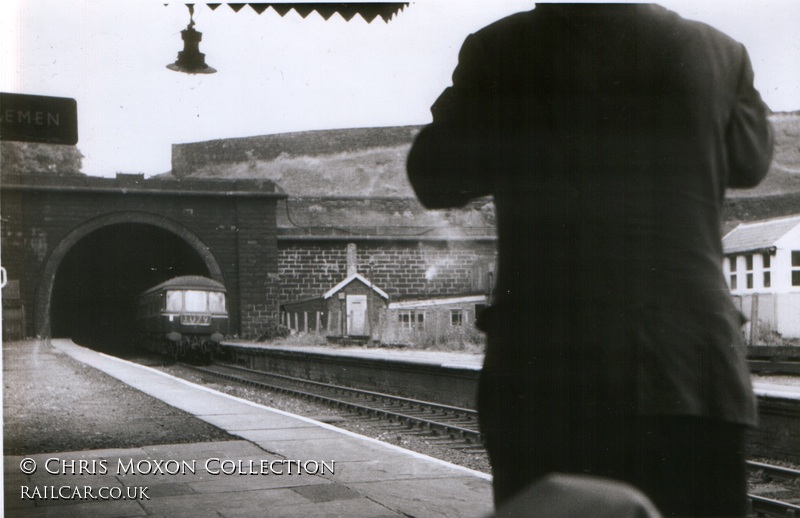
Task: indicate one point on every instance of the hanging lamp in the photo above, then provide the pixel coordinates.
(190, 59)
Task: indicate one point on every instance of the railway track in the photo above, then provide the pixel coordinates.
(786, 477)
(446, 422)
(452, 426)
(770, 472)
(760, 366)
(762, 506)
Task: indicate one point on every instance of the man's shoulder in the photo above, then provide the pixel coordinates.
(510, 24)
(675, 30)
(545, 17)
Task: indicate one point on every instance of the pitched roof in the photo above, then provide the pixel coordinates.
(761, 235)
(355, 276)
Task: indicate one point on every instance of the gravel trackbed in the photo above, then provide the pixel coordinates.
(52, 403)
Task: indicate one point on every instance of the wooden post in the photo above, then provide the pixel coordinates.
(305, 321)
(348, 319)
(439, 331)
(368, 319)
(317, 326)
(297, 321)
(754, 320)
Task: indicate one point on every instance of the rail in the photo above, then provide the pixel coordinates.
(762, 506)
(441, 419)
(455, 422)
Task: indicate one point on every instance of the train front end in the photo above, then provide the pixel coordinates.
(185, 317)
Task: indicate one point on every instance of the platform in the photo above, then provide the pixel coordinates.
(241, 478)
(784, 386)
(427, 357)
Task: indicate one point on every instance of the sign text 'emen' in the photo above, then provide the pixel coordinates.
(37, 118)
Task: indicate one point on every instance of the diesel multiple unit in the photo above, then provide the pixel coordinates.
(183, 317)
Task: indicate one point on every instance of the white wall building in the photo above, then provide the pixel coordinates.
(762, 267)
(435, 320)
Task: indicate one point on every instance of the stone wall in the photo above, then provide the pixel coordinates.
(309, 268)
(777, 435)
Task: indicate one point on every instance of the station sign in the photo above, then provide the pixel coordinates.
(37, 118)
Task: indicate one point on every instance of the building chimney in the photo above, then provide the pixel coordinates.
(352, 262)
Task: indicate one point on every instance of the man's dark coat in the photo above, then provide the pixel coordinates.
(607, 136)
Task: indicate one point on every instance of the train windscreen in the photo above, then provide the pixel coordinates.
(196, 301)
(216, 302)
(174, 301)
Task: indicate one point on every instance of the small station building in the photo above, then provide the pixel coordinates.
(762, 268)
(352, 309)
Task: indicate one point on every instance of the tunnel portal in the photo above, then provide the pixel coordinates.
(78, 249)
(97, 282)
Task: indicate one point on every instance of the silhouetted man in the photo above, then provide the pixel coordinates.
(607, 135)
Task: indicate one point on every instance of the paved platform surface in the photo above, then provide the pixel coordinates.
(784, 388)
(442, 358)
(226, 479)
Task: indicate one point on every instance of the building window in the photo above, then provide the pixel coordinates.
(456, 317)
(795, 268)
(405, 319)
(733, 277)
(766, 266)
(412, 319)
(748, 261)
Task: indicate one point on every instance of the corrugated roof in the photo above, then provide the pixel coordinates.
(436, 301)
(760, 235)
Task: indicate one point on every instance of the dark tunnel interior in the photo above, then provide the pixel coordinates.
(97, 282)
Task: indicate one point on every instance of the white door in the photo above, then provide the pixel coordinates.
(356, 315)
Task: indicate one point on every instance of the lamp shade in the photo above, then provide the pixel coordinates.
(190, 59)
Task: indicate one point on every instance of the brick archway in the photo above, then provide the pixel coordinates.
(44, 295)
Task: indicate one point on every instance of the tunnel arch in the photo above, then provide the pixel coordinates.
(44, 297)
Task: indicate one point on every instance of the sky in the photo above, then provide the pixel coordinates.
(281, 74)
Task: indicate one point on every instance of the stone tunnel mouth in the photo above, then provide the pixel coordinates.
(98, 280)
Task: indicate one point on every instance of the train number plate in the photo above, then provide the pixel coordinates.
(196, 320)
